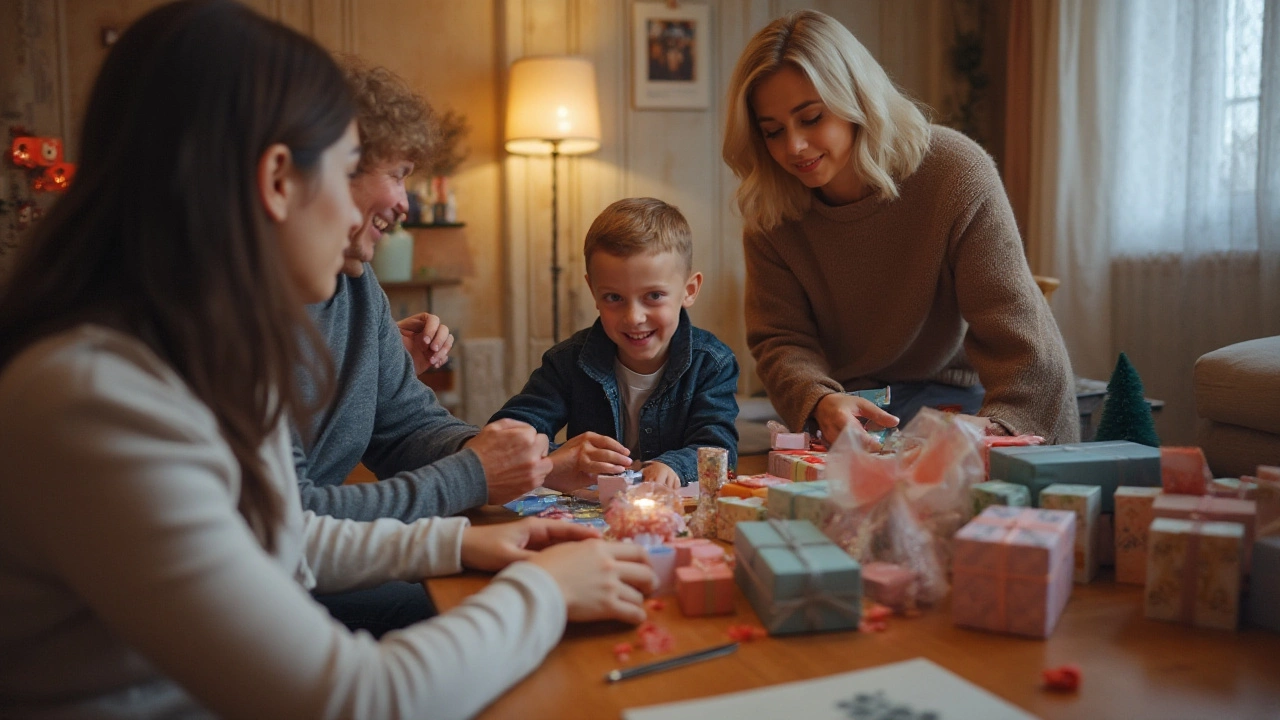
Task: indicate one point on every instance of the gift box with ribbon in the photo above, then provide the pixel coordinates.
(1133, 518)
(798, 465)
(1193, 572)
(705, 588)
(1105, 464)
(999, 492)
(798, 501)
(731, 510)
(889, 584)
(1216, 509)
(1012, 570)
(1084, 501)
(689, 550)
(796, 579)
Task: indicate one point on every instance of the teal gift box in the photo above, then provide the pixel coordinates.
(798, 501)
(999, 492)
(1105, 464)
(796, 578)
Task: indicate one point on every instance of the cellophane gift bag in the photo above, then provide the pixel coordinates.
(902, 503)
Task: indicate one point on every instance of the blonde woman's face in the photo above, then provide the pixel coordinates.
(804, 137)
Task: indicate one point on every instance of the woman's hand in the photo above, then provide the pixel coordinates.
(493, 547)
(427, 340)
(576, 463)
(661, 474)
(837, 411)
(600, 580)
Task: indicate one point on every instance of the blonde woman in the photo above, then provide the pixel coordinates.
(880, 249)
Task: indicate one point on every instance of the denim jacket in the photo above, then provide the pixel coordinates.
(693, 405)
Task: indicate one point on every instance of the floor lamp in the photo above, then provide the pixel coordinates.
(552, 110)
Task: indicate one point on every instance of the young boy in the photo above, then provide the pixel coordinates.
(642, 387)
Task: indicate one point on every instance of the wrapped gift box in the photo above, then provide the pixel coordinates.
(705, 588)
(662, 558)
(1193, 572)
(1209, 508)
(731, 510)
(1242, 488)
(737, 490)
(1085, 501)
(1184, 471)
(991, 441)
(1105, 464)
(788, 440)
(690, 550)
(610, 485)
(1133, 518)
(796, 579)
(888, 584)
(1264, 585)
(999, 492)
(756, 482)
(798, 501)
(798, 465)
(1012, 569)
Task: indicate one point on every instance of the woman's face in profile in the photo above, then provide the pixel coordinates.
(314, 234)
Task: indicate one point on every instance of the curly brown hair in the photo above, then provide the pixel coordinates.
(395, 122)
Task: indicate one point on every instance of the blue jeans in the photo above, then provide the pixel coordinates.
(906, 399)
(380, 609)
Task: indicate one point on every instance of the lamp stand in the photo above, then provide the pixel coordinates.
(555, 243)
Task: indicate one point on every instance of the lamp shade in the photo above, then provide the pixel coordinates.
(551, 100)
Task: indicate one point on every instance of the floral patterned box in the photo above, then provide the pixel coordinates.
(731, 510)
(1011, 570)
(1133, 519)
(1207, 507)
(1193, 572)
(999, 492)
(1086, 502)
(798, 465)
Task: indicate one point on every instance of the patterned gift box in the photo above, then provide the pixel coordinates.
(1011, 570)
(1209, 508)
(1184, 471)
(1264, 585)
(731, 510)
(1085, 502)
(1133, 518)
(705, 588)
(1105, 464)
(798, 465)
(888, 584)
(798, 501)
(1193, 572)
(999, 492)
(690, 550)
(796, 579)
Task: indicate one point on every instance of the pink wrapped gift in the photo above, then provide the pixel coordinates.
(705, 588)
(1209, 508)
(689, 550)
(1133, 518)
(888, 584)
(798, 465)
(1184, 471)
(1241, 488)
(1193, 572)
(1012, 570)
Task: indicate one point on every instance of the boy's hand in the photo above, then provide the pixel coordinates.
(575, 463)
(660, 474)
(427, 340)
(514, 458)
(493, 547)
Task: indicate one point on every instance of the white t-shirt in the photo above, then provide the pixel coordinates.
(635, 390)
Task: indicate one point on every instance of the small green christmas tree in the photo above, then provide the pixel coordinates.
(1126, 414)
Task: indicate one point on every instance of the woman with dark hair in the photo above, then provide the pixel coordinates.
(154, 557)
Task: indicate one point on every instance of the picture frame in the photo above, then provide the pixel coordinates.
(671, 56)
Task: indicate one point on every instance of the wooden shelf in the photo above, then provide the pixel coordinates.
(429, 226)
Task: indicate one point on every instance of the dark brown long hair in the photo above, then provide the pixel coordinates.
(162, 234)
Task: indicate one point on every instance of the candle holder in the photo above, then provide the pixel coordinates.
(646, 509)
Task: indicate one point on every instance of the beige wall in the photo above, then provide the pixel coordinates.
(457, 53)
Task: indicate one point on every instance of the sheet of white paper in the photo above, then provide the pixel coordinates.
(910, 690)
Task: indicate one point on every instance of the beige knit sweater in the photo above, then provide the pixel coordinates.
(931, 286)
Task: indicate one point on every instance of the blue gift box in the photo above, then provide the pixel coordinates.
(796, 579)
(1105, 464)
(1264, 588)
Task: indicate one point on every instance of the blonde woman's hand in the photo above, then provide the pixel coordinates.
(493, 547)
(600, 580)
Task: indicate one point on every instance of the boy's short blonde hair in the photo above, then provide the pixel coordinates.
(640, 226)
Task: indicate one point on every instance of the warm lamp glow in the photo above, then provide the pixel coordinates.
(551, 105)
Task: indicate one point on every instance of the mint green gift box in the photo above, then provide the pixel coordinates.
(795, 578)
(1105, 464)
(999, 492)
(798, 501)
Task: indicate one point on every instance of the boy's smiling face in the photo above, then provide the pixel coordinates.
(639, 299)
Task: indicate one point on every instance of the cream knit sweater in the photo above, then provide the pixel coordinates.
(931, 286)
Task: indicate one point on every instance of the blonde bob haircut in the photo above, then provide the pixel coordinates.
(891, 134)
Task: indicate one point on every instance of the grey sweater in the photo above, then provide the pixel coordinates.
(384, 416)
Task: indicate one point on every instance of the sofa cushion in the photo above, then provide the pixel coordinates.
(1233, 451)
(1240, 385)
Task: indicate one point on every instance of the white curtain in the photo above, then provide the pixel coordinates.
(1156, 183)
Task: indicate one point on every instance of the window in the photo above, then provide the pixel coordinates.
(1243, 64)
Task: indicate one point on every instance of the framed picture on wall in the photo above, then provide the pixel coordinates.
(671, 56)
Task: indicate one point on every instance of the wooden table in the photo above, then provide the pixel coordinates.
(1132, 667)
